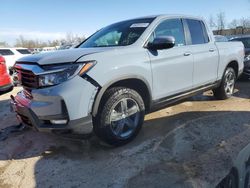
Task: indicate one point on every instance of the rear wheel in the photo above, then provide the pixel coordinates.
(121, 116)
(226, 88)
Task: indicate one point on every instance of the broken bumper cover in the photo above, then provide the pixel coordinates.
(28, 117)
(63, 104)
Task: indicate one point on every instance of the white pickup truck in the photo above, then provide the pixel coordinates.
(110, 81)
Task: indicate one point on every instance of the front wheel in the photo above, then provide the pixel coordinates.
(121, 116)
(226, 88)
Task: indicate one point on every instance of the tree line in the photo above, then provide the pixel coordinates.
(219, 22)
(69, 39)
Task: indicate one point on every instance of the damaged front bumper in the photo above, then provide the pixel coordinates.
(65, 107)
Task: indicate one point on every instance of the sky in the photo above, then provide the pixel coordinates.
(52, 19)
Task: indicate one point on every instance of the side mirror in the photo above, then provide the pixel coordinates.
(163, 42)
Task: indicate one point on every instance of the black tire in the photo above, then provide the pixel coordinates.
(113, 106)
(230, 181)
(222, 93)
(247, 177)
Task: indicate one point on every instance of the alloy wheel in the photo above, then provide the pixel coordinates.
(124, 117)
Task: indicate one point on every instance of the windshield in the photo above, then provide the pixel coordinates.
(119, 34)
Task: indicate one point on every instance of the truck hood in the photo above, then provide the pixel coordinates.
(60, 56)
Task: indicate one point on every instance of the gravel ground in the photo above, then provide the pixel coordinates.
(192, 144)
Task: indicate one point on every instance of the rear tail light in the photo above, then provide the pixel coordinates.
(2, 60)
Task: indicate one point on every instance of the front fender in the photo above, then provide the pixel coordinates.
(103, 89)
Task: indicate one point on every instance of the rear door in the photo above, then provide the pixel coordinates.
(172, 69)
(204, 51)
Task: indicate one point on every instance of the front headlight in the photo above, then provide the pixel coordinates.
(58, 74)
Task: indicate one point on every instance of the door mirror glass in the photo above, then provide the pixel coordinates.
(162, 42)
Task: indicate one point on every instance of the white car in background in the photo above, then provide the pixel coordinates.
(13, 54)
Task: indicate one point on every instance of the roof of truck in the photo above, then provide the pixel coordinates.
(169, 16)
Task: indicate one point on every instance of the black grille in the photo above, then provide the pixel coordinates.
(27, 78)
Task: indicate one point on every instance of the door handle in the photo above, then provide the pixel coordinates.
(211, 50)
(187, 54)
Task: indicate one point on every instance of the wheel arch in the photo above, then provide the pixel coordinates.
(235, 65)
(133, 82)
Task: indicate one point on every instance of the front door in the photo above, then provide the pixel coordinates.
(172, 69)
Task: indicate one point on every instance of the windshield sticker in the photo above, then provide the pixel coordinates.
(139, 25)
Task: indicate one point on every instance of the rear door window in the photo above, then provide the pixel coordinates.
(6, 52)
(23, 51)
(197, 31)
